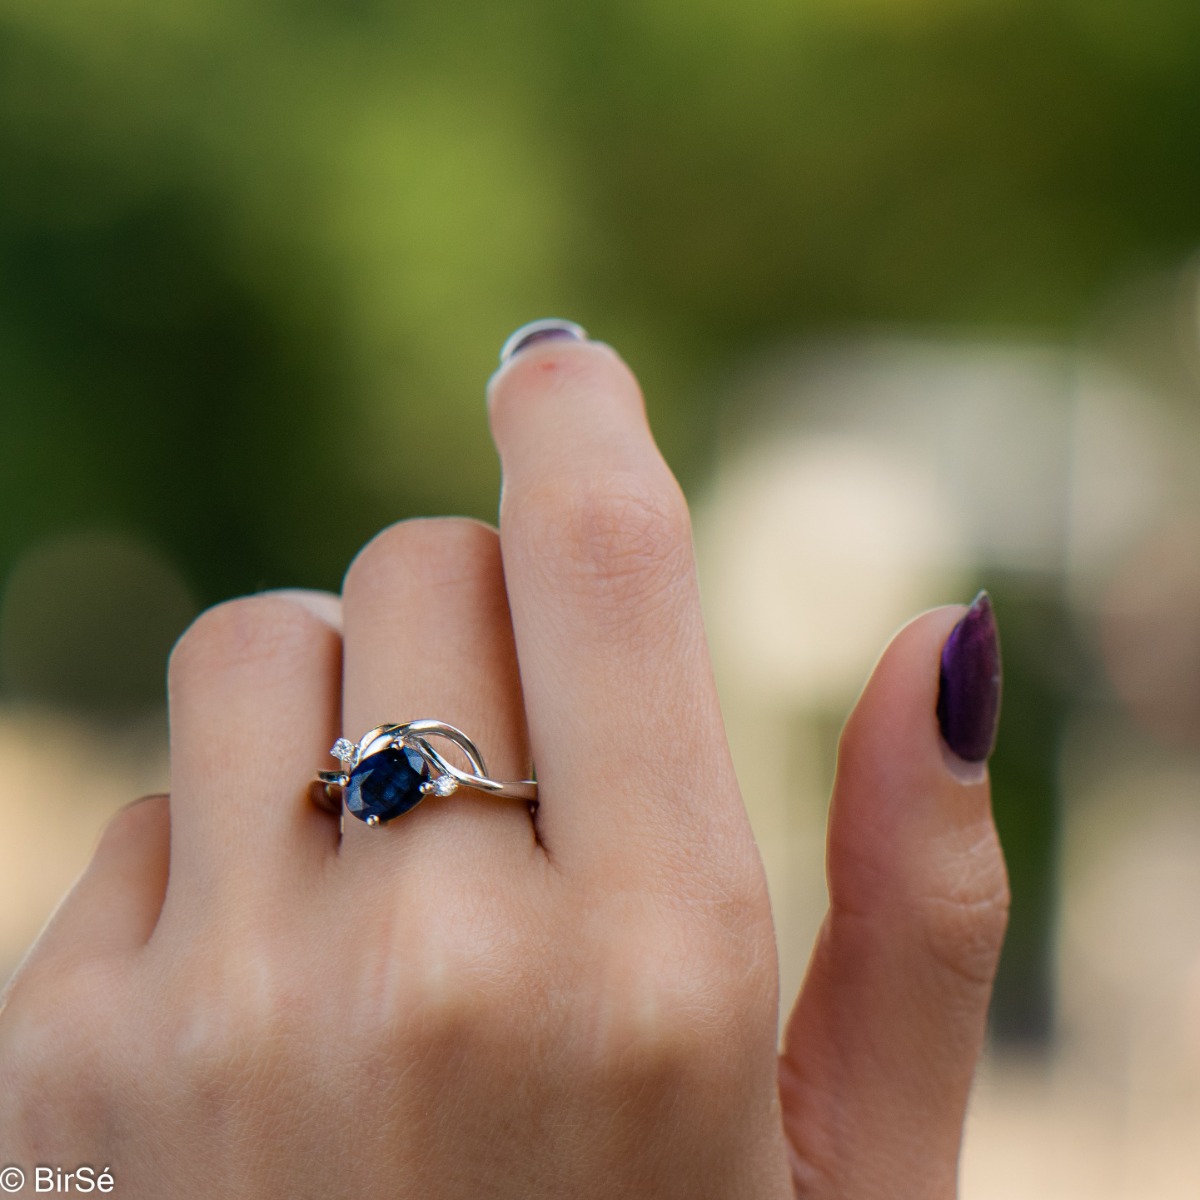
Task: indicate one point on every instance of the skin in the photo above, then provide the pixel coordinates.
(470, 1002)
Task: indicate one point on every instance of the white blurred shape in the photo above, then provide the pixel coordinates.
(821, 543)
(1125, 471)
(871, 480)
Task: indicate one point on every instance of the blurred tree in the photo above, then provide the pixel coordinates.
(255, 259)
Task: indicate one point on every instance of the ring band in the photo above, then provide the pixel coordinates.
(392, 768)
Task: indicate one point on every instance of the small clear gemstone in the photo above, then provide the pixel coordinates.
(443, 785)
(344, 749)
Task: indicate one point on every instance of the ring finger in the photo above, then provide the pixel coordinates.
(428, 636)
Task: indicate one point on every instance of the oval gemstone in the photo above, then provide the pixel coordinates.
(386, 784)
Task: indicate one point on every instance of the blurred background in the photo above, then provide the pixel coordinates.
(913, 287)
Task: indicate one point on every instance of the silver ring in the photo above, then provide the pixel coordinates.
(392, 768)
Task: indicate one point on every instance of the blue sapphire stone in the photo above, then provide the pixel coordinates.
(386, 784)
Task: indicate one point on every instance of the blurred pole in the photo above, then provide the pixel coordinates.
(1041, 675)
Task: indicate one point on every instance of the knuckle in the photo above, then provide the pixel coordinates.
(242, 633)
(448, 976)
(483, 965)
(614, 536)
(675, 1013)
(447, 551)
(674, 1033)
(57, 1030)
(718, 887)
(655, 1049)
(963, 920)
(53, 1005)
(232, 1031)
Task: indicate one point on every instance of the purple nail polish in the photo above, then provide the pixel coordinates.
(541, 331)
(968, 705)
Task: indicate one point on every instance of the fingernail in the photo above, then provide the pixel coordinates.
(143, 799)
(541, 331)
(968, 706)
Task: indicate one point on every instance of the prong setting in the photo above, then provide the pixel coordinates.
(393, 767)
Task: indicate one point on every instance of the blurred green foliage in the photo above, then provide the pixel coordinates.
(256, 258)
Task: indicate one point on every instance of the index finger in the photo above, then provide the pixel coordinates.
(596, 539)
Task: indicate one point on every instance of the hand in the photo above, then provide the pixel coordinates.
(236, 1002)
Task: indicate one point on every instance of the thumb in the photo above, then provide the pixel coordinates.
(889, 1024)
